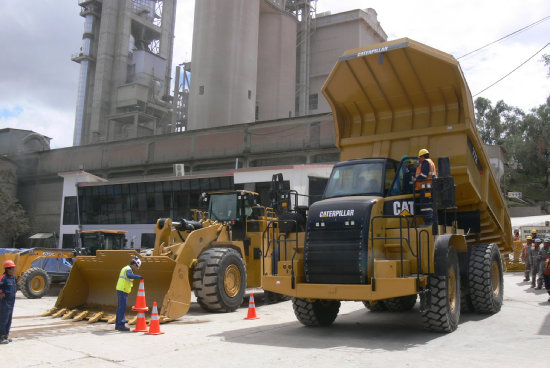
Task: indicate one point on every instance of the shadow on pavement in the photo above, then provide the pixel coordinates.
(360, 329)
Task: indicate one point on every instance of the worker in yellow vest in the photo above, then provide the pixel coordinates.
(123, 288)
(425, 173)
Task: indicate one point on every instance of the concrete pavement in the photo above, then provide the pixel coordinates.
(519, 335)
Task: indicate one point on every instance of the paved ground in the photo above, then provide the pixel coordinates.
(518, 336)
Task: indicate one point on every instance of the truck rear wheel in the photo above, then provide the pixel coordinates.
(400, 304)
(375, 306)
(219, 280)
(485, 278)
(34, 283)
(317, 313)
(444, 310)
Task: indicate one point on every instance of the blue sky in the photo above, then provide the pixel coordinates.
(38, 81)
(10, 112)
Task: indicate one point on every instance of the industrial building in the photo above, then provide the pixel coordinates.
(249, 102)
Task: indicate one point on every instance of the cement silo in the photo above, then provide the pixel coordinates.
(276, 88)
(224, 63)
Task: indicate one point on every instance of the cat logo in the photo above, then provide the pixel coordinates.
(405, 208)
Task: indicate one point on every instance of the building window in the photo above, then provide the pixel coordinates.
(313, 101)
(249, 94)
(68, 241)
(201, 90)
(144, 203)
(70, 211)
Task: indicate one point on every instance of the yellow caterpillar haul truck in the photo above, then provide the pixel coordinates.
(365, 240)
(217, 256)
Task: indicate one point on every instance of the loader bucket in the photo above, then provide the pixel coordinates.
(90, 291)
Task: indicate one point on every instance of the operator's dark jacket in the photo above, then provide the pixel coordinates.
(8, 287)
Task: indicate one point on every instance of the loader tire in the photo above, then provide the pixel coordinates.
(400, 304)
(317, 313)
(444, 310)
(375, 306)
(485, 278)
(219, 280)
(34, 283)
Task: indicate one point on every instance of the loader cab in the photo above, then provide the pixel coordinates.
(92, 240)
(361, 177)
(230, 207)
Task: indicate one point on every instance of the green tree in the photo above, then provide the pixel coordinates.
(537, 148)
(546, 60)
(13, 218)
(496, 123)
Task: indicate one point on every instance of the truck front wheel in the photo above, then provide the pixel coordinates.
(219, 280)
(317, 313)
(485, 278)
(443, 313)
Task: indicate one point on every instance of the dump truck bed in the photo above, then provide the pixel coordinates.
(395, 98)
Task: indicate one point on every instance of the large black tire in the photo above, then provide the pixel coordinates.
(444, 310)
(465, 298)
(219, 280)
(485, 278)
(375, 306)
(34, 283)
(317, 313)
(400, 304)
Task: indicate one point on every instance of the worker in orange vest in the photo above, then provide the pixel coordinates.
(425, 173)
(525, 257)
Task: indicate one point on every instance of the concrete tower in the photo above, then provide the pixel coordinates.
(125, 63)
(224, 63)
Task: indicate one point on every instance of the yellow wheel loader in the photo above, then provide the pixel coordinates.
(37, 268)
(370, 239)
(217, 256)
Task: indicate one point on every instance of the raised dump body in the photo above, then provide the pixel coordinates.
(366, 240)
(395, 98)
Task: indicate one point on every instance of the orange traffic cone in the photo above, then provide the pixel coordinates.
(251, 308)
(154, 326)
(141, 324)
(141, 305)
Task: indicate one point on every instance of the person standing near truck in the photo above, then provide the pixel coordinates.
(542, 257)
(123, 288)
(546, 271)
(8, 288)
(535, 261)
(425, 173)
(525, 257)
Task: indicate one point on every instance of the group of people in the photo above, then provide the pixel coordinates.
(535, 255)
